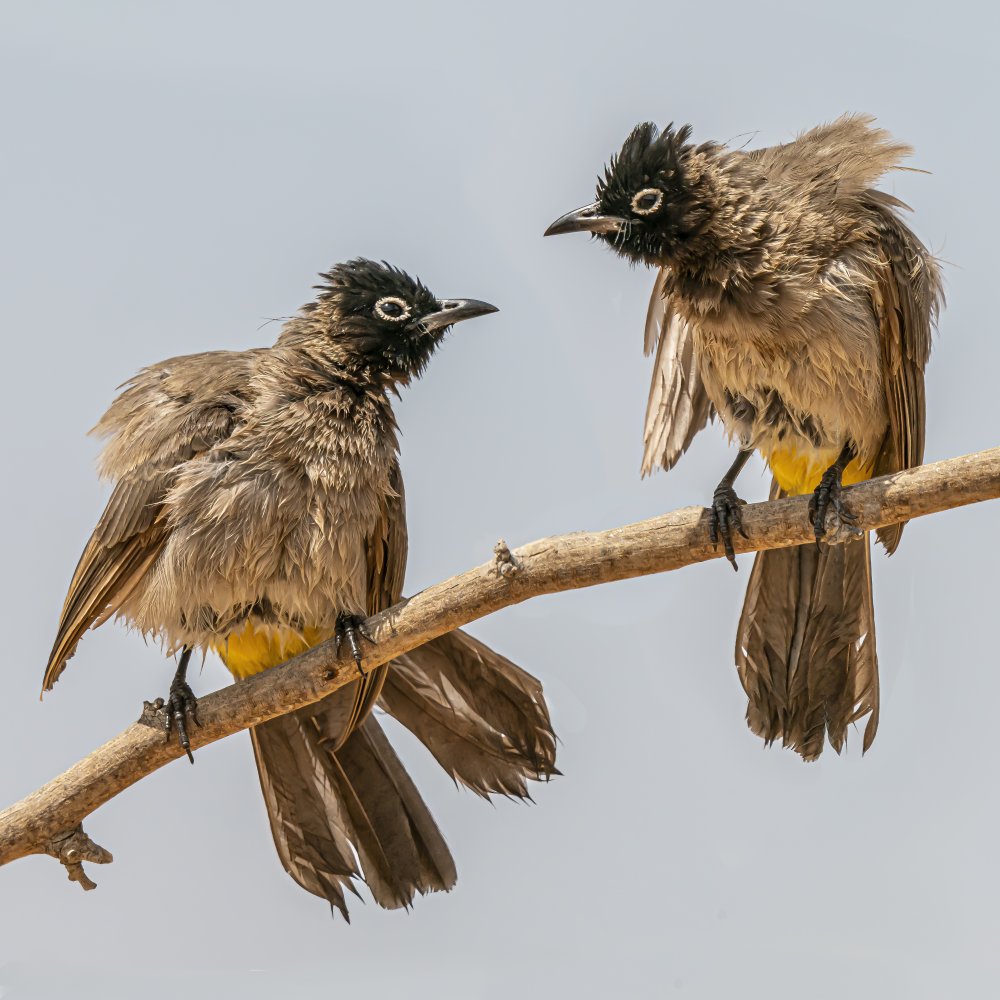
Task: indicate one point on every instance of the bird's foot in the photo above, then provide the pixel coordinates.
(179, 707)
(829, 495)
(725, 515)
(352, 629)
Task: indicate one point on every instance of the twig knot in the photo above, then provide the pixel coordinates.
(506, 563)
(74, 847)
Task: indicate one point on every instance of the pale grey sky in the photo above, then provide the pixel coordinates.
(173, 175)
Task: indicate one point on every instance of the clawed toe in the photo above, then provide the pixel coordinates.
(828, 495)
(179, 706)
(725, 515)
(352, 629)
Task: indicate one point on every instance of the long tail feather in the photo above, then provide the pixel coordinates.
(483, 718)
(343, 810)
(805, 649)
(328, 807)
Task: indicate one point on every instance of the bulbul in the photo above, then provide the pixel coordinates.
(257, 511)
(793, 301)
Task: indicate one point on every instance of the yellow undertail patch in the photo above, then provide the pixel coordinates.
(257, 647)
(799, 472)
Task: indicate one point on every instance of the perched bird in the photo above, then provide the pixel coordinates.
(257, 511)
(793, 301)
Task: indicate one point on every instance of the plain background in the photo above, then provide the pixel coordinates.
(174, 175)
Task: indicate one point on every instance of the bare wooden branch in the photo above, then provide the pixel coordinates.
(49, 820)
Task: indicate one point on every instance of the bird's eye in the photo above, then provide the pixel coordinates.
(392, 309)
(647, 201)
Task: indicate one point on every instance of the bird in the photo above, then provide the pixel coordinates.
(258, 510)
(791, 300)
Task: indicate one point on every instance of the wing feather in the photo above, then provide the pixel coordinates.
(678, 406)
(166, 415)
(906, 299)
(386, 550)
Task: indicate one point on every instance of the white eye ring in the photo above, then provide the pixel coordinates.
(394, 300)
(648, 209)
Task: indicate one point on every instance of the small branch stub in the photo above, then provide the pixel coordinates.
(152, 713)
(72, 849)
(506, 562)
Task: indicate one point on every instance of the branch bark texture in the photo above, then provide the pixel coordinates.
(48, 821)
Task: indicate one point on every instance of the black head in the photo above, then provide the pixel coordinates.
(386, 320)
(648, 201)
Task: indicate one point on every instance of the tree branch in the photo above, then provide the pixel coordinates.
(49, 820)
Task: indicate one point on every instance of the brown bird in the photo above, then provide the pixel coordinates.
(793, 301)
(257, 511)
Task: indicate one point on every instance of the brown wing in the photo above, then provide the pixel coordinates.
(843, 158)
(386, 556)
(387, 548)
(167, 414)
(678, 405)
(906, 300)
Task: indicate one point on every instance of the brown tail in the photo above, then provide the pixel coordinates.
(341, 811)
(805, 649)
(326, 808)
(482, 717)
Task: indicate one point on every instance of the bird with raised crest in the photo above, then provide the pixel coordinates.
(258, 510)
(793, 301)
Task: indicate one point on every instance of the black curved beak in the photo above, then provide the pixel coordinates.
(585, 220)
(454, 311)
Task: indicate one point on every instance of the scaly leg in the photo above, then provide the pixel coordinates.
(351, 628)
(725, 510)
(829, 494)
(181, 703)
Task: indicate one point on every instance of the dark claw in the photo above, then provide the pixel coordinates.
(828, 494)
(352, 628)
(724, 516)
(179, 705)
